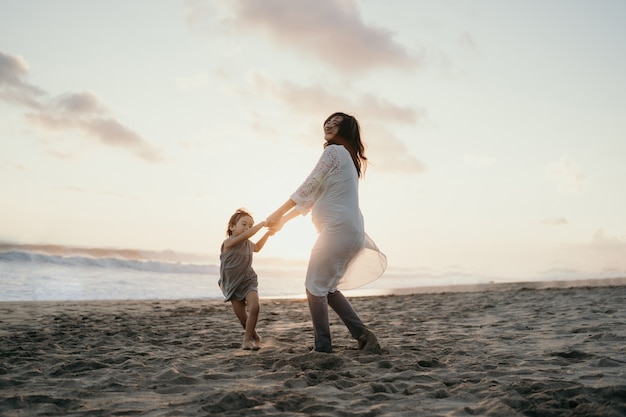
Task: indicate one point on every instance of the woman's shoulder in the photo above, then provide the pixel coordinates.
(334, 151)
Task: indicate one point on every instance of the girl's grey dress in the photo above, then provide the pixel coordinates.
(237, 278)
(343, 256)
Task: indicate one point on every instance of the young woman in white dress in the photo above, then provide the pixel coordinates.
(343, 255)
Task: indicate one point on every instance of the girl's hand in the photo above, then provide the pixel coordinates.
(272, 220)
(276, 227)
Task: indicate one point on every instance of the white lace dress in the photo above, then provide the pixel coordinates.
(343, 256)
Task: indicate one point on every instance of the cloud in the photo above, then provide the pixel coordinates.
(13, 166)
(607, 249)
(392, 153)
(331, 30)
(602, 256)
(12, 68)
(554, 221)
(13, 88)
(70, 111)
(77, 104)
(466, 40)
(113, 133)
(84, 191)
(567, 175)
(478, 160)
(601, 239)
(309, 99)
(194, 82)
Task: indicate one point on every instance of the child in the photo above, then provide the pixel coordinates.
(238, 280)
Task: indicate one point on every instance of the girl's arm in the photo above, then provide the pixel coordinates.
(233, 240)
(259, 245)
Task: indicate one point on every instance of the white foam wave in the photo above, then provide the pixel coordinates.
(109, 263)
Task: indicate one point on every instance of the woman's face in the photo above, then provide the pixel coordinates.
(331, 127)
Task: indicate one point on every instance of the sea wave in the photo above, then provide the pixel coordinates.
(109, 263)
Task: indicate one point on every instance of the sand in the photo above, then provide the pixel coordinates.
(511, 350)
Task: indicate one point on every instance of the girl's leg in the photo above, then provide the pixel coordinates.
(239, 307)
(319, 316)
(254, 308)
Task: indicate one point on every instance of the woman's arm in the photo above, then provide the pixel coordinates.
(292, 214)
(233, 240)
(304, 197)
(276, 216)
(281, 222)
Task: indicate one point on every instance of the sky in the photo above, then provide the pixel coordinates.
(494, 130)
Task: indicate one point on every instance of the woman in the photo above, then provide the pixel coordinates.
(343, 255)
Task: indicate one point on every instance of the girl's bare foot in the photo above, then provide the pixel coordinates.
(257, 339)
(249, 345)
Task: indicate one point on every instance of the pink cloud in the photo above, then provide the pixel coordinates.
(392, 153)
(70, 111)
(331, 30)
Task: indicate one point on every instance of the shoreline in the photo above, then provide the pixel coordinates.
(358, 293)
(497, 286)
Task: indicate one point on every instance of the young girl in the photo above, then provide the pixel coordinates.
(238, 280)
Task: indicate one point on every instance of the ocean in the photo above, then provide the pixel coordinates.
(50, 272)
(59, 273)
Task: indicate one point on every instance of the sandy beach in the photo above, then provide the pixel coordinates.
(500, 350)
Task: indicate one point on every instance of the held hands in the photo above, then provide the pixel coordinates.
(270, 230)
(280, 217)
(275, 228)
(274, 223)
(273, 219)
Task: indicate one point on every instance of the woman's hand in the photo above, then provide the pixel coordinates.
(276, 219)
(273, 219)
(275, 227)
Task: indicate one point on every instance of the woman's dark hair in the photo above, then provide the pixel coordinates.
(350, 132)
(235, 218)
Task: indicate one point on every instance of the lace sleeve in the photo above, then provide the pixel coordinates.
(306, 194)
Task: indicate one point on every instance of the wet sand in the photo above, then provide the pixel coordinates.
(498, 350)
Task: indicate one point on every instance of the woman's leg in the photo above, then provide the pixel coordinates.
(318, 306)
(367, 340)
(345, 311)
